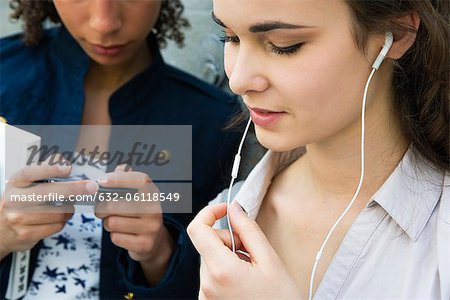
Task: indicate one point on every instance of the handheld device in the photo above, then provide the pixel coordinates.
(82, 177)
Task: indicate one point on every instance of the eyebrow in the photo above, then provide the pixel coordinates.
(264, 27)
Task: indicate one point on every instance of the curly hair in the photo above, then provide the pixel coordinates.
(34, 13)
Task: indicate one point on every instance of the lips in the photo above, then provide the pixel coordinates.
(111, 50)
(264, 117)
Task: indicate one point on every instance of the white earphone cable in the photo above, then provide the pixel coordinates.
(234, 173)
(361, 178)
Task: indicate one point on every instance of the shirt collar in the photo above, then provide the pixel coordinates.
(409, 195)
(252, 192)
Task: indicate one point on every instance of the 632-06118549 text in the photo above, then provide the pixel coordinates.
(98, 196)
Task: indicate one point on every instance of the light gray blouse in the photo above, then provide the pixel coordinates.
(397, 248)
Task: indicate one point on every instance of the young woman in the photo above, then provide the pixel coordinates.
(102, 66)
(339, 133)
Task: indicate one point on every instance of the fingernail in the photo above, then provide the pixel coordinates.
(91, 187)
(121, 167)
(102, 180)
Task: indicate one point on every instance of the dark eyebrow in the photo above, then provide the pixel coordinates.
(264, 27)
(274, 25)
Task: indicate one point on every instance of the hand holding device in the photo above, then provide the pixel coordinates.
(21, 230)
(137, 226)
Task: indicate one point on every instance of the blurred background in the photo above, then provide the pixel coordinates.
(202, 57)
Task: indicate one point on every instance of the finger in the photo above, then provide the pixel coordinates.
(136, 180)
(139, 244)
(38, 232)
(132, 209)
(123, 240)
(205, 239)
(123, 168)
(37, 218)
(131, 225)
(27, 175)
(251, 236)
(104, 213)
(65, 189)
(224, 235)
(49, 197)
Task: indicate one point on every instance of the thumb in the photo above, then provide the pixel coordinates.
(251, 235)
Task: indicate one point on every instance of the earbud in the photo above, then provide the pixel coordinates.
(388, 40)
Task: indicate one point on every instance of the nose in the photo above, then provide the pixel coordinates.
(105, 16)
(246, 73)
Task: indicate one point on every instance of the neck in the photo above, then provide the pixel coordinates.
(334, 165)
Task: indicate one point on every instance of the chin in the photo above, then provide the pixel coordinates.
(108, 61)
(276, 141)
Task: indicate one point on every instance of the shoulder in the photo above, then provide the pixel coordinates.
(13, 47)
(24, 71)
(197, 89)
(21, 63)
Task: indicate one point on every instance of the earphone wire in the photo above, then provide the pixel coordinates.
(361, 178)
(234, 173)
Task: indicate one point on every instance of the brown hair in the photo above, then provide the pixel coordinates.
(34, 13)
(421, 76)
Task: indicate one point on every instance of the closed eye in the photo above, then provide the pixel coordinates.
(229, 39)
(285, 50)
(234, 40)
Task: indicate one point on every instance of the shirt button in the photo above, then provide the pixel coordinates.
(129, 296)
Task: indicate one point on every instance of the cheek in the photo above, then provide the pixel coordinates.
(338, 85)
(75, 23)
(324, 93)
(142, 18)
(151, 12)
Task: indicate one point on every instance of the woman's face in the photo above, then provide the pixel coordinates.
(111, 32)
(298, 60)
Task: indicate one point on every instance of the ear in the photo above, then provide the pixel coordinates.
(404, 40)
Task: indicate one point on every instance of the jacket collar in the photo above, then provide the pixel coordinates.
(123, 102)
(409, 195)
(69, 52)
